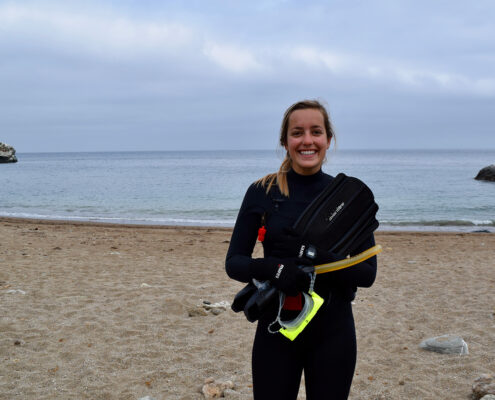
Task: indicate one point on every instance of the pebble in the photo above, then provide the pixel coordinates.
(484, 385)
(213, 389)
(147, 398)
(216, 308)
(445, 344)
(16, 291)
(222, 304)
(196, 312)
(207, 306)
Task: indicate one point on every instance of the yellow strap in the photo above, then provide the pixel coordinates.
(348, 262)
(292, 333)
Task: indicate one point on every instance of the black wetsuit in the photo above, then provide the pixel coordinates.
(326, 349)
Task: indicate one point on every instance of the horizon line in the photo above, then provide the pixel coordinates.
(250, 150)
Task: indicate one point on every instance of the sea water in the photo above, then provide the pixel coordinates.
(416, 190)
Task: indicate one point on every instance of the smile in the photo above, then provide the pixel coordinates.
(307, 152)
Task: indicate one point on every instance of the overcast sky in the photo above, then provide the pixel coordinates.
(218, 74)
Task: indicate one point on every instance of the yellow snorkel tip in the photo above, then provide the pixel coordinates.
(348, 262)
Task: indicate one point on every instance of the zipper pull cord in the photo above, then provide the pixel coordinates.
(262, 229)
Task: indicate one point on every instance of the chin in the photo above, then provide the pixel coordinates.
(309, 164)
(307, 169)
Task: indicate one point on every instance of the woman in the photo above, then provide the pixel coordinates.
(326, 349)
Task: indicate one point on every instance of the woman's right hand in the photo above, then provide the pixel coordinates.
(289, 275)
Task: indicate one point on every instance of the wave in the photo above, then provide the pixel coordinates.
(126, 220)
(209, 220)
(460, 225)
(456, 222)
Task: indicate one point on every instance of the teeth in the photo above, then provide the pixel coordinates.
(308, 152)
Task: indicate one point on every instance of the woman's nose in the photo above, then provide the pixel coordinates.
(307, 138)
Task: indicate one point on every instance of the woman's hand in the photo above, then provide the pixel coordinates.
(290, 244)
(290, 275)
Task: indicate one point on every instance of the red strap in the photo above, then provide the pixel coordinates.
(293, 303)
(261, 233)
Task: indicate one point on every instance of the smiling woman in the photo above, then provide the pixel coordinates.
(326, 349)
(306, 140)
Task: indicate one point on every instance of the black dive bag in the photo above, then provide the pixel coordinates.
(339, 220)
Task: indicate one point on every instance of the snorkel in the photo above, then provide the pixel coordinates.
(312, 301)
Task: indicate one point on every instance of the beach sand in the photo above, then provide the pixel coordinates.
(92, 311)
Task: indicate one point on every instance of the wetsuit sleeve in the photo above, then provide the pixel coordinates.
(359, 275)
(244, 235)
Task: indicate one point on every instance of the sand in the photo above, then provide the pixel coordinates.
(92, 311)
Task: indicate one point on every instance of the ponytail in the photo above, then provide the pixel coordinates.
(279, 178)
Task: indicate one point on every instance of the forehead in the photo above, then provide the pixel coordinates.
(306, 117)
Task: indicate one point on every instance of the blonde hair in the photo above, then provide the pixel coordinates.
(280, 178)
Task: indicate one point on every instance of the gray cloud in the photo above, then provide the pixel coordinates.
(82, 76)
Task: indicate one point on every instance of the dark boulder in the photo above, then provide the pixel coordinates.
(7, 154)
(486, 174)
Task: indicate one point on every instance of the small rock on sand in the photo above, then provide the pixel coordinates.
(445, 344)
(213, 389)
(197, 312)
(484, 385)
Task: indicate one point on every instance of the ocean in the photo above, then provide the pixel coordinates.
(428, 190)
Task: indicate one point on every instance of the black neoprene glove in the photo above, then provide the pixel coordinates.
(289, 275)
(290, 244)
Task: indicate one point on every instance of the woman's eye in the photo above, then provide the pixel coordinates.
(317, 132)
(296, 133)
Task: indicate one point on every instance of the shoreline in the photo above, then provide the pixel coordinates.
(43, 221)
(385, 229)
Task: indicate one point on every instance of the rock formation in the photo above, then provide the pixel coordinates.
(7, 154)
(486, 174)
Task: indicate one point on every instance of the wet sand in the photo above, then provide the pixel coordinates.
(93, 311)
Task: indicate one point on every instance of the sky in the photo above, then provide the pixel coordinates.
(218, 74)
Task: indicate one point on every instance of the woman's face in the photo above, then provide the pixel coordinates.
(307, 141)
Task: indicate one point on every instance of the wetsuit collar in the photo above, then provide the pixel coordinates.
(295, 177)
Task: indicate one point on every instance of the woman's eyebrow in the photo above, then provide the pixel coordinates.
(301, 128)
